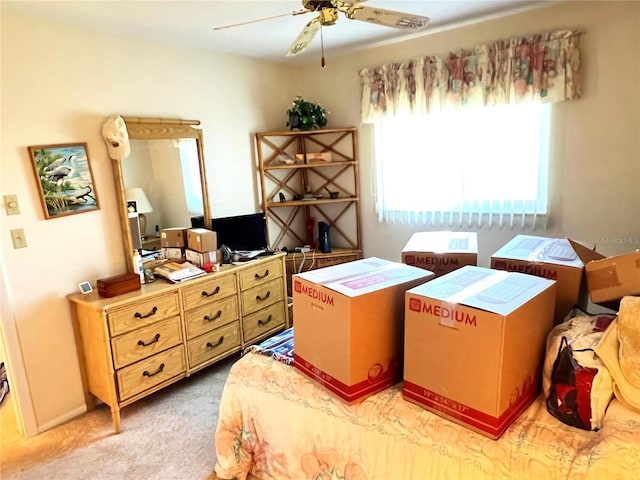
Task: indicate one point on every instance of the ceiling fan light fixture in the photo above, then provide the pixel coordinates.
(328, 16)
(317, 5)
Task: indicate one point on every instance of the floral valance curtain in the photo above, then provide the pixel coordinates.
(539, 68)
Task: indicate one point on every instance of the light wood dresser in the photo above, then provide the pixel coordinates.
(135, 344)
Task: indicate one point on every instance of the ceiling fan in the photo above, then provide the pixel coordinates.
(327, 11)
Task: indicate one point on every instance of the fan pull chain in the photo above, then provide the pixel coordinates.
(322, 62)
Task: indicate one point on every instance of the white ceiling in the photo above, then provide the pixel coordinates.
(190, 22)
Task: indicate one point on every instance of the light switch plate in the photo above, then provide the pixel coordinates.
(11, 204)
(19, 240)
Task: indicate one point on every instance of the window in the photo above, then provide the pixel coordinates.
(190, 163)
(487, 165)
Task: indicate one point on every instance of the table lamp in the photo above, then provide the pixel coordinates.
(143, 205)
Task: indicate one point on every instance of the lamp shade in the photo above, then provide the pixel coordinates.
(136, 194)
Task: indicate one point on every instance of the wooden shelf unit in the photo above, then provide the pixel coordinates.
(285, 166)
(288, 167)
(282, 171)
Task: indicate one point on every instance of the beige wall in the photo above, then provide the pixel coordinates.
(595, 172)
(60, 84)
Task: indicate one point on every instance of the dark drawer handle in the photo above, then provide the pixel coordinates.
(152, 312)
(147, 374)
(259, 298)
(207, 294)
(211, 345)
(257, 276)
(263, 323)
(155, 339)
(215, 317)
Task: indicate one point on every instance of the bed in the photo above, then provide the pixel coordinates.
(275, 423)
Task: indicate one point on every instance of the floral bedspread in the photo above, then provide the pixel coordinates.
(277, 424)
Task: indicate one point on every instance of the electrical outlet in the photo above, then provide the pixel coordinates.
(18, 237)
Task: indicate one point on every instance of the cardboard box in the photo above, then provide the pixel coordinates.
(202, 239)
(175, 237)
(200, 258)
(441, 252)
(551, 258)
(474, 345)
(173, 253)
(610, 278)
(349, 324)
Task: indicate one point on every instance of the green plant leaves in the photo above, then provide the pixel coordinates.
(306, 115)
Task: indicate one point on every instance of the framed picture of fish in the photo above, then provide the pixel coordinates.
(64, 178)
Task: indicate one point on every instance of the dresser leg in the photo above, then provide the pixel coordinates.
(115, 417)
(90, 400)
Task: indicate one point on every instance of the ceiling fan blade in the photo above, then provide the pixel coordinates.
(296, 12)
(305, 37)
(389, 18)
(341, 4)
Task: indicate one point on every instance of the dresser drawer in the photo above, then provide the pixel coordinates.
(261, 273)
(261, 322)
(202, 319)
(146, 341)
(150, 372)
(259, 297)
(144, 312)
(219, 342)
(209, 291)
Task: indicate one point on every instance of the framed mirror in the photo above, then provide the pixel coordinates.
(162, 183)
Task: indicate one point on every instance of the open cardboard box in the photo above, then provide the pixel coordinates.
(551, 258)
(604, 279)
(609, 278)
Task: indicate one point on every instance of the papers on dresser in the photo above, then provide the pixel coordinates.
(249, 254)
(178, 272)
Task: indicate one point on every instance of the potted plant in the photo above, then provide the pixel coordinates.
(305, 115)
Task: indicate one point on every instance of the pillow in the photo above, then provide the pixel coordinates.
(608, 349)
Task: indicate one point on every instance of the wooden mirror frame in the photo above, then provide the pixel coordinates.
(140, 128)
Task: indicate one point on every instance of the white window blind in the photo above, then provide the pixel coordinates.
(484, 167)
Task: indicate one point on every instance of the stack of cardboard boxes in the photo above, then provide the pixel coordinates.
(202, 247)
(474, 337)
(195, 245)
(173, 242)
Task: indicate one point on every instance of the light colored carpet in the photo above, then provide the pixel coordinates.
(166, 436)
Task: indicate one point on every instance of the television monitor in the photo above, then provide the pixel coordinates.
(242, 232)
